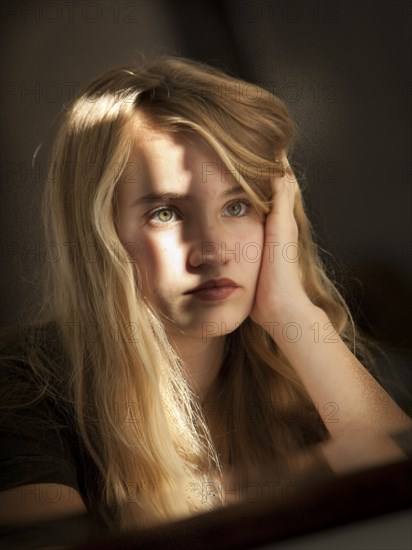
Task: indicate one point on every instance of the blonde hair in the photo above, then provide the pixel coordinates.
(119, 355)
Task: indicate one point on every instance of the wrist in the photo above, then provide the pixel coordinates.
(298, 316)
(295, 310)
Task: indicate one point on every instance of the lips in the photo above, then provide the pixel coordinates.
(214, 290)
(214, 283)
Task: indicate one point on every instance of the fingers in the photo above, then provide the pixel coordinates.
(281, 220)
(284, 187)
(282, 164)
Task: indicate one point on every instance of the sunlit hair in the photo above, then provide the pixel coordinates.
(122, 366)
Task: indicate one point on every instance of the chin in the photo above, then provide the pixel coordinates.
(214, 327)
(206, 323)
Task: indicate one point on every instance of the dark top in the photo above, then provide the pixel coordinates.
(39, 442)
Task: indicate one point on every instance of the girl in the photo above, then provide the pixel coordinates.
(190, 341)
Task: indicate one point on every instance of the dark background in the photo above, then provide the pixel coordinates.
(342, 67)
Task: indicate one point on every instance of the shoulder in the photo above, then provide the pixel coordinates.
(39, 437)
(39, 440)
(33, 366)
(33, 355)
(36, 420)
(34, 374)
(20, 340)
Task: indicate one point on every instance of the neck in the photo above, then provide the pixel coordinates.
(202, 361)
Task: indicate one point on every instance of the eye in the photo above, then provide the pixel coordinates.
(163, 216)
(237, 209)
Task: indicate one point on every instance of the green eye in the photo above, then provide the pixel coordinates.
(237, 209)
(163, 215)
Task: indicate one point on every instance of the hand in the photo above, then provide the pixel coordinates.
(279, 290)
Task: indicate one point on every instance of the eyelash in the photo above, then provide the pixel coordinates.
(152, 213)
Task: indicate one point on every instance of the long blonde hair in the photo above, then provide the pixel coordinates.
(122, 366)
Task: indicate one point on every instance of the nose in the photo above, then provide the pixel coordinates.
(206, 245)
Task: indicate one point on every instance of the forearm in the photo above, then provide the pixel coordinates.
(333, 376)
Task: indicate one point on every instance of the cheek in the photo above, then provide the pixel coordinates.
(158, 258)
(251, 246)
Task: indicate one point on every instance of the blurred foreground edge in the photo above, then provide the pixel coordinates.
(322, 503)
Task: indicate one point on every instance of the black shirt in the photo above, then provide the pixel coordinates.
(39, 439)
(39, 442)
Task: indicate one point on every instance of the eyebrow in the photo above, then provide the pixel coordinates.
(169, 197)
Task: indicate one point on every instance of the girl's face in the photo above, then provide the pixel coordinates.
(186, 222)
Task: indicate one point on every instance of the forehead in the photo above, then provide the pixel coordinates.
(150, 140)
(160, 157)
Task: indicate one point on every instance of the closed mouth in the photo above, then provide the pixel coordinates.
(214, 283)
